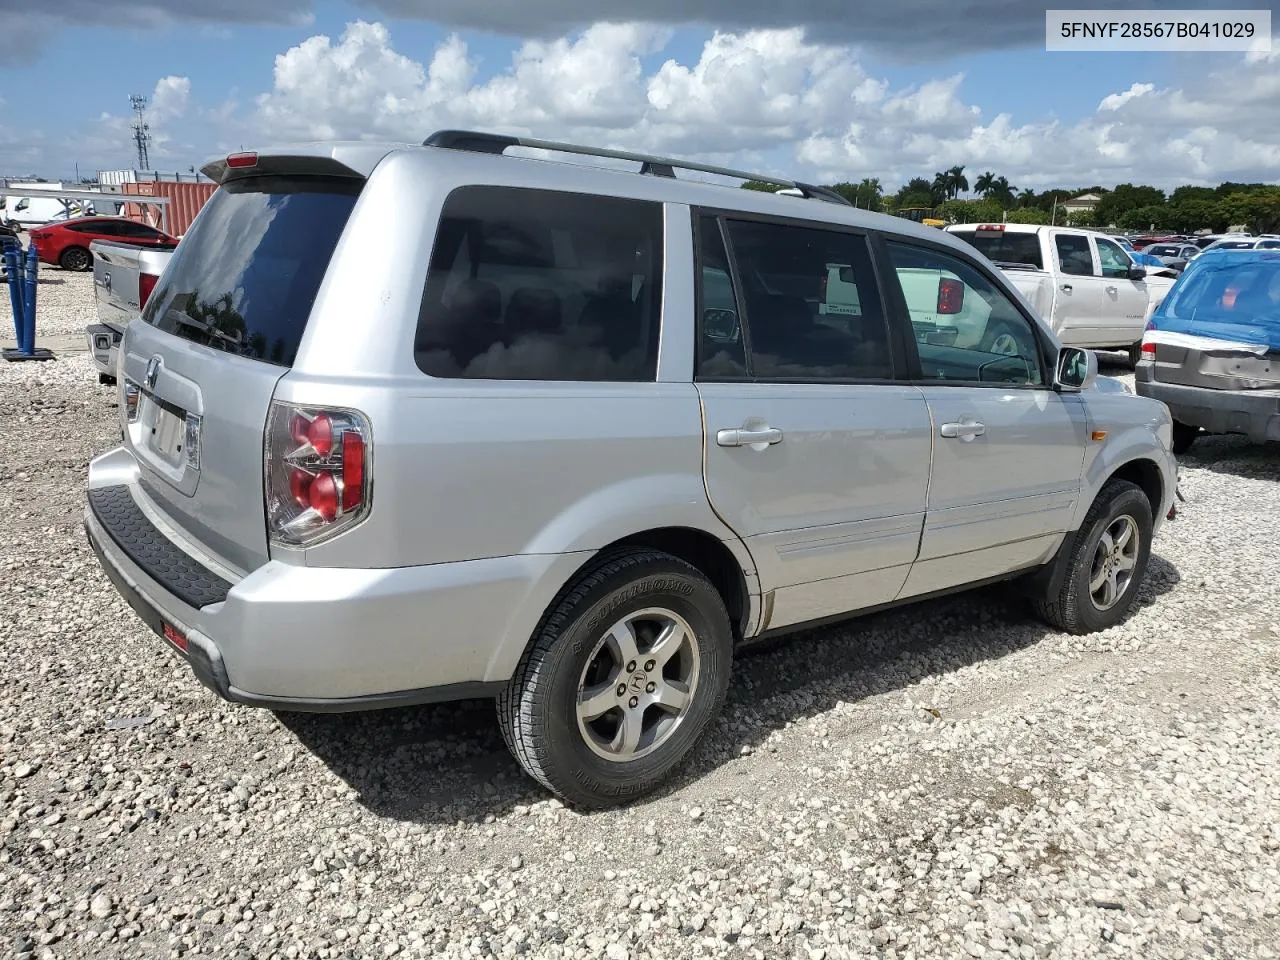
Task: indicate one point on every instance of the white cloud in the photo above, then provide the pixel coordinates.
(769, 99)
(1117, 100)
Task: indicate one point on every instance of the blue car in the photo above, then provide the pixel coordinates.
(1211, 351)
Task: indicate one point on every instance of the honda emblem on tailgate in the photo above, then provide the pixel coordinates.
(153, 371)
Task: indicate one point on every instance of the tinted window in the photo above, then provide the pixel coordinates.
(138, 231)
(246, 277)
(102, 228)
(720, 348)
(1115, 262)
(812, 307)
(1162, 251)
(966, 327)
(1000, 246)
(541, 285)
(1269, 245)
(1074, 255)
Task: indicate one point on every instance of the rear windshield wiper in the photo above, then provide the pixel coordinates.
(186, 320)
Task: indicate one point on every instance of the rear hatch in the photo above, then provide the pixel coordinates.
(220, 329)
(1220, 328)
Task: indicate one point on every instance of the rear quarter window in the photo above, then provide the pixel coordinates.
(246, 276)
(529, 284)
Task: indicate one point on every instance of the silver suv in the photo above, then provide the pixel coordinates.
(405, 423)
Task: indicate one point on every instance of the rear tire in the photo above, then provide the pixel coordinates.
(1107, 564)
(1184, 435)
(1135, 354)
(75, 258)
(595, 712)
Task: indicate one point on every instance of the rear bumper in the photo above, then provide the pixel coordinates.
(327, 639)
(1254, 413)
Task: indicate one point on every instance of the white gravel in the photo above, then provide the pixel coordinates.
(64, 304)
(949, 781)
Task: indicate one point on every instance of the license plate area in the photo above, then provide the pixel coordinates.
(165, 430)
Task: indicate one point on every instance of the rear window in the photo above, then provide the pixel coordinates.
(1001, 246)
(531, 284)
(246, 275)
(1232, 301)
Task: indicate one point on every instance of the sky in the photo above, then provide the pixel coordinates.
(825, 90)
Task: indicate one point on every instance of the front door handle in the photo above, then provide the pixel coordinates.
(1066, 288)
(963, 431)
(742, 437)
(1113, 289)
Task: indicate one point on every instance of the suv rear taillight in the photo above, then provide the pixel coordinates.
(317, 469)
(146, 283)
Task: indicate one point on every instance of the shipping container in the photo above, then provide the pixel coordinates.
(185, 201)
(114, 178)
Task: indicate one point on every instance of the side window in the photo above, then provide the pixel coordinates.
(106, 228)
(542, 285)
(721, 352)
(812, 308)
(966, 327)
(1074, 256)
(1269, 245)
(1114, 261)
(128, 228)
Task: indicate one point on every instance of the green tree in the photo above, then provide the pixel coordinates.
(1153, 217)
(916, 192)
(762, 186)
(1192, 212)
(1257, 209)
(1028, 215)
(1124, 198)
(970, 211)
(1028, 198)
(957, 183)
(1083, 219)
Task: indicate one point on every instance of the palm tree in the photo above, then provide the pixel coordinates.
(941, 187)
(1027, 198)
(956, 181)
(869, 191)
(984, 183)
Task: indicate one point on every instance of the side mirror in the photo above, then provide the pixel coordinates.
(720, 325)
(1077, 369)
(1137, 273)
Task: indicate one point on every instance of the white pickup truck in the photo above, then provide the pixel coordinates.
(1084, 284)
(123, 278)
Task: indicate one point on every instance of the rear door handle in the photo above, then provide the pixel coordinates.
(1113, 289)
(1066, 288)
(741, 437)
(963, 431)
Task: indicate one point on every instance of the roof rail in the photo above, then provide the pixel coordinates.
(497, 143)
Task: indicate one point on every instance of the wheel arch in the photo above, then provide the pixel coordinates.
(725, 563)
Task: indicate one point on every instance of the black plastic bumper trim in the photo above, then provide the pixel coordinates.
(212, 672)
(154, 553)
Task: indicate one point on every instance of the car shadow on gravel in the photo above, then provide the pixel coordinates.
(1234, 455)
(447, 763)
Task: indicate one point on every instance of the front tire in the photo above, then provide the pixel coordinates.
(1107, 564)
(75, 258)
(621, 680)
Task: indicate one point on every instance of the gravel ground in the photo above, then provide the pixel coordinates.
(949, 781)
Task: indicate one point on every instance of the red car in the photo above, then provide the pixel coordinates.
(66, 244)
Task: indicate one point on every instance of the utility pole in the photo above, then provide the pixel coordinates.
(141, 136)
